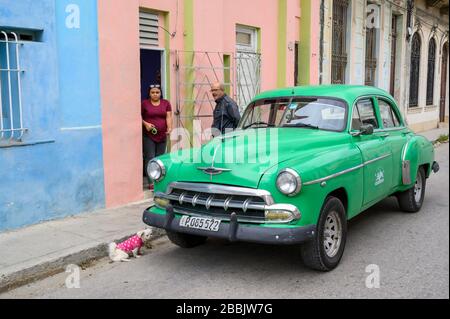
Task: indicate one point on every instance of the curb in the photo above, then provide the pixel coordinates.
(83, 259)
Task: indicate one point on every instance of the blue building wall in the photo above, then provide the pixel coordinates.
(57, 168)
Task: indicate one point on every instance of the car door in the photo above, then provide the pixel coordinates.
(375, 151)
(395, 133)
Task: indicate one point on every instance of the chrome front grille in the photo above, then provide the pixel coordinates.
(218, 201)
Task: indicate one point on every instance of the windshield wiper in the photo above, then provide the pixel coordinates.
(258, 123)
(302, 125)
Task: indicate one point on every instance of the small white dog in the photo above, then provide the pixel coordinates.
(132, 246)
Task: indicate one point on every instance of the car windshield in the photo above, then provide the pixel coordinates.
(314, 113)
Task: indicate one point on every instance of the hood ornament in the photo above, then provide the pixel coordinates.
(211, 170)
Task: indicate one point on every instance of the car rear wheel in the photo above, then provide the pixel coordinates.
(185, 240)
(325, 250)
(411, 200)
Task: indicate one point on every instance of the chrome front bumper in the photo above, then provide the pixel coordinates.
(232, 230)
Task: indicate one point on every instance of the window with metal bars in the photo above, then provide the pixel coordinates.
(339, 41)
(430, 75)
(414, 72)
(11, 123)
(371, 57)
(248, 65)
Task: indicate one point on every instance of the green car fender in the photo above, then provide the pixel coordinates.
(416, 152)
(322, 175)
(309, 209)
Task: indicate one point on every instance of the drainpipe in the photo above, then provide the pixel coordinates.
(322, 26)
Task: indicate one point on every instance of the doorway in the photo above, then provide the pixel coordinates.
(152, 72)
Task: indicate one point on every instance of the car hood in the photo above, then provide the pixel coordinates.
(242, 157)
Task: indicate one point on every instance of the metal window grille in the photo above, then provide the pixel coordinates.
(248, 77)
(248, 65)
(430, 75)
(11, 122)
(394, 35)
(415, 68)
(196, 71)
(148, 29)
(339, 42)
(371, 57)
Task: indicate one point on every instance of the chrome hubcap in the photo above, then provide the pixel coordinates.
(332, 234)
(418, 188)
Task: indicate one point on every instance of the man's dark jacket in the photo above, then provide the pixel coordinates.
(226, 114)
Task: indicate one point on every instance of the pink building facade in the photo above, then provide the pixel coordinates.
(250, 46)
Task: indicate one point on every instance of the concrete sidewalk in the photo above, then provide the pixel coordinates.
(38, 251)
(434, 134)
(41, 250)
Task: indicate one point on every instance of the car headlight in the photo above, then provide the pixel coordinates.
(289, 182)
(156, 170)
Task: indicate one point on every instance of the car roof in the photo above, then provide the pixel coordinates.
(346, 92)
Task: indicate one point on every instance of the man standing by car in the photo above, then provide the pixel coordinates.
(226, 112)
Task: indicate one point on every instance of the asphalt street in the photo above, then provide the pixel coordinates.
(410, 251)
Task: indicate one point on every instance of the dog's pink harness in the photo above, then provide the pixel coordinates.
(130, 244)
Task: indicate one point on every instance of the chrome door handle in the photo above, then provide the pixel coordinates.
(384, 135)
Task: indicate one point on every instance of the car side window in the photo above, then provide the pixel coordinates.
(356, 120)
(366, 113)
(388, 115)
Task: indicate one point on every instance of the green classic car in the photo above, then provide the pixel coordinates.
(302, 162)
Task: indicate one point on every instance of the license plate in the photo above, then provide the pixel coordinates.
(200, 223)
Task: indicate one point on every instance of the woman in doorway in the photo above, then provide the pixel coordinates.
(157, 123)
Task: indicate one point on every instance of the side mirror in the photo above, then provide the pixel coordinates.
(366, 129)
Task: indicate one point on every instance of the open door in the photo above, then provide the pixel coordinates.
(151, 70)
(151, 73)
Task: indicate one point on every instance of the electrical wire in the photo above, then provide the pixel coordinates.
(174, 33)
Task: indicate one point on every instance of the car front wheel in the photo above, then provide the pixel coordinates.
(185, 240)
(325, 250)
